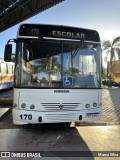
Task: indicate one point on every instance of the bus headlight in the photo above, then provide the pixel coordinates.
(32, 106)
(94, 104)
(23, 105)
(87, 105)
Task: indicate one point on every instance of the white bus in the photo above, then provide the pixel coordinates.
(6, 74)
(57, 74)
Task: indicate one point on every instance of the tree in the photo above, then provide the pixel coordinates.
(13, 57)
(104, 73)
(112, 49)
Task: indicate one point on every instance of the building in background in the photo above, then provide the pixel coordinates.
(115, 70)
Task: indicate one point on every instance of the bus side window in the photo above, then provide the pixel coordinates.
(0, 67)
(3, 68)
(10, 70)
(7, 68)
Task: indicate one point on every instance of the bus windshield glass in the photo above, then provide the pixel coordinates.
(58, 64)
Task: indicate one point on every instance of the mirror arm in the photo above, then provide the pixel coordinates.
(11, 40)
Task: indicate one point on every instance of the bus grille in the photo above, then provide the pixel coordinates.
(61, 117)
(61, 106)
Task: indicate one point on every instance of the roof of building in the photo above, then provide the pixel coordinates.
(13, 12)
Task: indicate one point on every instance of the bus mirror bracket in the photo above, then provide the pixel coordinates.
(8, 50)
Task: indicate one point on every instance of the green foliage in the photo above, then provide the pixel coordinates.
(111, 49)
(104, 73)
(13, 58)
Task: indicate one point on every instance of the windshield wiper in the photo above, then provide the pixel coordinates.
(80, 46)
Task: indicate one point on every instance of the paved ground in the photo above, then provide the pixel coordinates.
(111, 106)
(76, 143)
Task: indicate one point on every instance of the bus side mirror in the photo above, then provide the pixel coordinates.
(8, 52)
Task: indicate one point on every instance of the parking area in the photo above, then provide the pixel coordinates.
(111, 106)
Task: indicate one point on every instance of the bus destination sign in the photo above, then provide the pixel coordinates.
(64, 34)
(55, 31)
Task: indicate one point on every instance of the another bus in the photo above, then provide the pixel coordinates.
(115, 71)
(6, 74)
(57, 74)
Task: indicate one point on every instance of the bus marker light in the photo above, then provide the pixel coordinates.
(23, 105)
(94, 104)
(32, 106)
(87, 105)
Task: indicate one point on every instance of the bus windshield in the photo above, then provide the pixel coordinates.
(58, 64)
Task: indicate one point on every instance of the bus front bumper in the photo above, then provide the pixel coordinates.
(21, 117)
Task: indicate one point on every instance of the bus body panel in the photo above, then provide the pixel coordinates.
(6, 74)
(21, 117)
(54, 107)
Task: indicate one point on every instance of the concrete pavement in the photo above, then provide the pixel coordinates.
(3, 113)
(102, 142)
(111, 106)
(5, 107)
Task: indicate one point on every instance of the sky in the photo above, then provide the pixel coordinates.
(100, 15)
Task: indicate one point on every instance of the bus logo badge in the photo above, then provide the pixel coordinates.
(61, 106)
